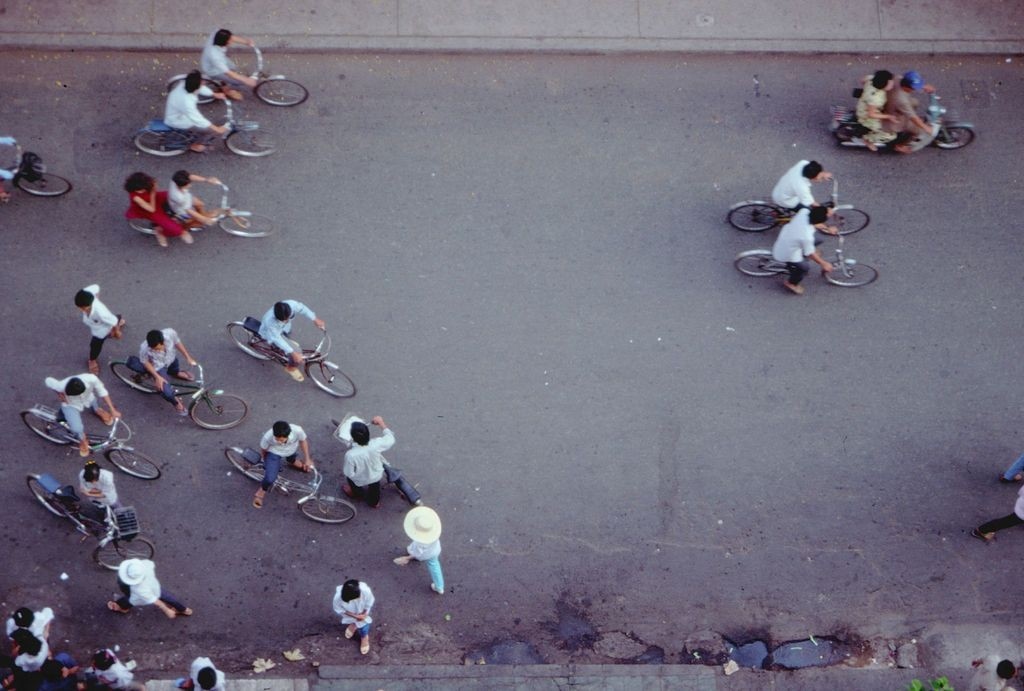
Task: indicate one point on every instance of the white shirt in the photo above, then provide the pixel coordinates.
(159, 359)
(215, 61)
(1018, 508)
(986, 679)
(117, 677)
(363, 603)
(87, 399)
(269, 444)
(796, 240)
(102, 491)
(39, 621)
(182, 110)
(422, 551)
(178, 199)
(273, 330)
(146, 591)
(793, 188)
(33, 663)
(364, 465)
(100, 320)
(197, 666)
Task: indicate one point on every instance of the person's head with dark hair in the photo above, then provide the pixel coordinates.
(350, 590)
(812, 170)
(1006, 670)
(193, 80)
(23, 617)
(207, 678)
(819, 214)
(27, 642)
(281, 429)
(181, 178)
(222, 37)
(74, 387)
(52, 671)
(139, 182)
(881, 79)
(282, 311)
(103, 660)
(360, 433)
(91, 472)
(84, 298)
(154, 338)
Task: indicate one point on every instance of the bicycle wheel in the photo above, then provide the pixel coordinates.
(954, 137)
(246, 224)
(114, 552)
(136, 380)
(328, 510)
(143, 225)
(134, 463)
(327, 376)
(251, 143)
(281, 92)
(50, 431)
(243, 338)
(854, 276)
(849, 221)
(170, 143)
(250, 470)
(218, 410)
(757, 263)
(46, 186)
(753, 218)
(44, 497)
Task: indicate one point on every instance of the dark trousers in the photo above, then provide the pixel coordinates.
(170, 371)
(1000, 523)
(169, 599)
(371, 493)
(797, 271)
(95, 347)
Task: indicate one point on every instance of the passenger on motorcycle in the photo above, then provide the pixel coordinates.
(902, 107)
(870, 109)
(793, 190)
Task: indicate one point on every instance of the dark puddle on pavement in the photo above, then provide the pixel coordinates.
(753, 654)
(652, 656)
(816, 652)
(573, 629)
(506, 653)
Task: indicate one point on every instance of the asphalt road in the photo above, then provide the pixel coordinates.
(525, 267)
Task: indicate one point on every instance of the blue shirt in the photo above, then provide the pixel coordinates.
(274, 331)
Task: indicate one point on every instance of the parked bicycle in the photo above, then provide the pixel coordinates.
(30, 175)
(245, 224)
(316, 506)
(208, 408)
(116, 530)
(49, 424)
(324, 373)
(846, 272)
(243, 137)
(755, 216)
(272, 89)
(392, 475)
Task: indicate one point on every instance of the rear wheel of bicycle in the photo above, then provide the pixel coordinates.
(853, 276)
(50, 431)
(849, 221)
(114, 552)
(246, 224)
(44, 497)
(328, 510)
(171, 143)
(281, 92)
(954, 137)
(136, 380)
(756, 263)
(753, 218)
(46, 185)
(134, 463)
(218, 410)
(243, 339)
(250, 470)
(251, 143)
(327, 376)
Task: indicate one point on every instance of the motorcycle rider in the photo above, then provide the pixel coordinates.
(869, 109)
(902, 106)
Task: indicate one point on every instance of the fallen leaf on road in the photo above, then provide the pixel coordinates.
(262, 664)
(293, 655)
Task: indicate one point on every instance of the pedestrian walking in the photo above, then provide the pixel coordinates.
(1015, 473)
(101, 321)
(364, 462)
(109, 672)
(280, 444)
(987, 531)
(136, 578)
(423, 526)
(353, 601)
(993, 673)
(203, 675)
(38, 623)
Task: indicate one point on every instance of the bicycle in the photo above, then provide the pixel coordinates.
(48, 423)
(117, 530)
(242, 137)
(272, 89)
(244, 224)
(846, 273)
(755, 216)
(315, 506)
(208, 408)
(30, 175)
(324, 373)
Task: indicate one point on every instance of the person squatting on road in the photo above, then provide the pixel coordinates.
(203, 675)
(353, 601)
(280, 444)
(993, 673)
(796, 244)
(364, 462)
(75, 395)
(111, 673)
(97, 485)
(136, 578)
(423, 526)
(101, 321)
(38, 623)
(158, 355)
(276, 327)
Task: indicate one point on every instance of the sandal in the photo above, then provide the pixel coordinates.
(161, 240)
(364, 646)
(257, 502)
(295, 374)
(184, 376)
(187, 612)
(187, 238)
(114, 607)
(984, 537)
(350, 631)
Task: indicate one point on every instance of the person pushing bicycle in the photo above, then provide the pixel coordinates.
(276, 326)
(793, 190)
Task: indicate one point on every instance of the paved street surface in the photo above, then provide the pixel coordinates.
(524, 264)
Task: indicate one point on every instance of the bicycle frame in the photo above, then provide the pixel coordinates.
(104, 531)
(96, 442)
(315, 355)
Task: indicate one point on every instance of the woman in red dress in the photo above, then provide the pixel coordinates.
(147, 203)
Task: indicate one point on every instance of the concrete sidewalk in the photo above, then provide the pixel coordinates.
(941, 26)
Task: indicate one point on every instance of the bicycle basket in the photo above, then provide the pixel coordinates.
(127, 521)
(31, 167)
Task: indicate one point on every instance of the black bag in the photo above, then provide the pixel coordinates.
(31, 167)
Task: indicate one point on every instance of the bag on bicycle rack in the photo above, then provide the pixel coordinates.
(31, 167)
(404, 487)
(252, 324)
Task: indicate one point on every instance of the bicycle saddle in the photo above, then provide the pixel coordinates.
(159, 126)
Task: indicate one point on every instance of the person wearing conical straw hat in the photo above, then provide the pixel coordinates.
(423, 526)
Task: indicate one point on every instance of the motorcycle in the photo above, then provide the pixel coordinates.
(945, 134)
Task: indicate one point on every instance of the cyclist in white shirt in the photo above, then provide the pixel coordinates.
(795, 245)
(78, 393)
(187, 208)
(216, 64)
(158, 355)
(793, 190)
(276, 326)
(280, 444)
(182, 110)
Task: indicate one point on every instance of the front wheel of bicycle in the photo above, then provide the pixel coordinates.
(757, 263)
(48, 430)
(218, 410)
(253, 143)
(170, 143)
(327, 376)
(753, 218)
(328, 510)
(243, 339)
(253, 471)
(954, 137)
(281, 92)
(117, 550)
(136, 380)
(43, 497)
(852, 275)
(46, 185)
(246, 224)
(849, 221)
(134, 463)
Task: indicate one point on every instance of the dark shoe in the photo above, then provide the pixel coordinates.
(984, 537)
